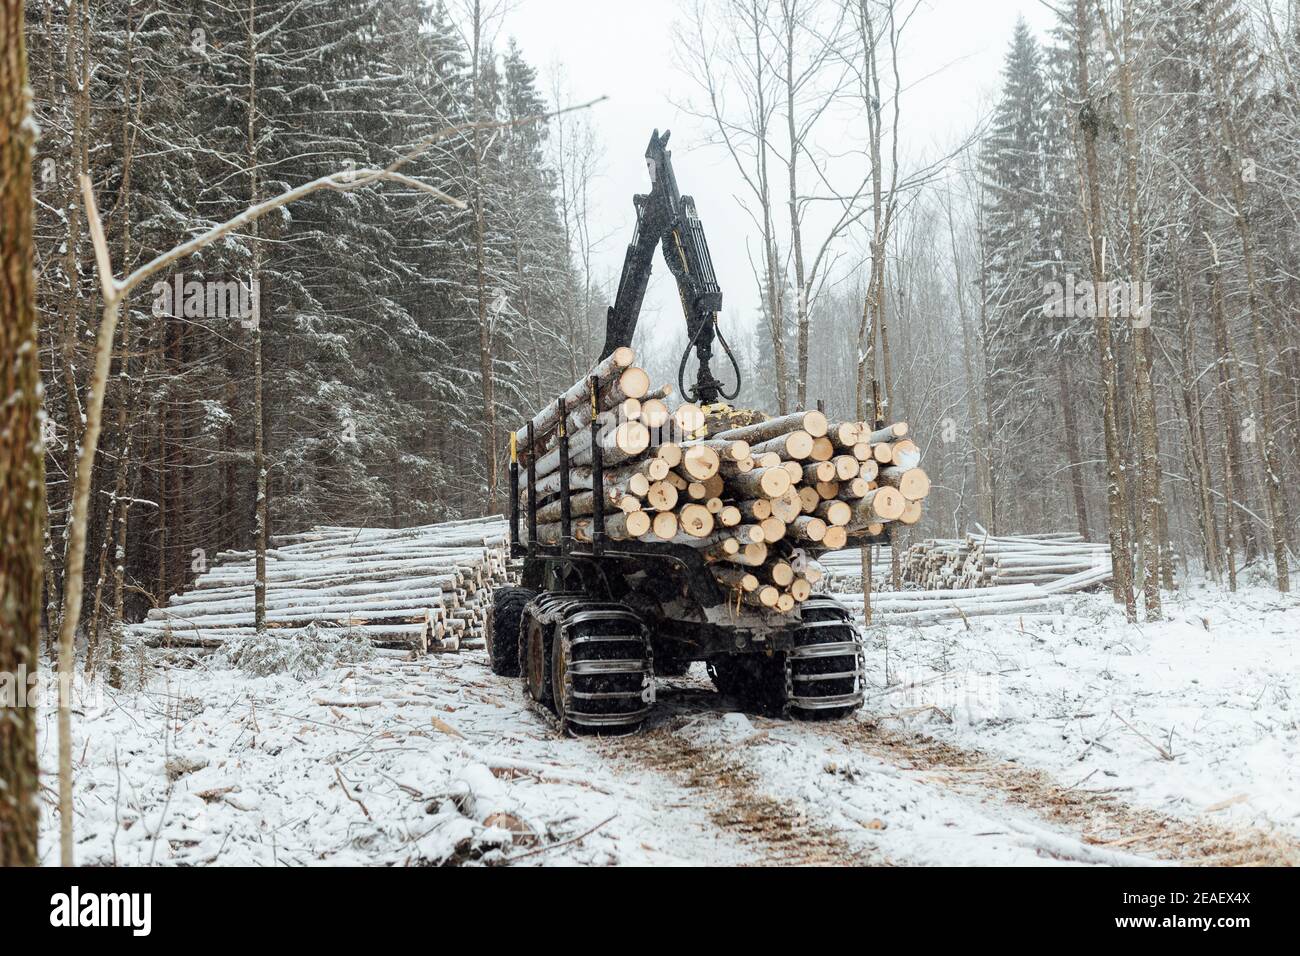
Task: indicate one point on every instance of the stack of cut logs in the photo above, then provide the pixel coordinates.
(984, 560)
(982, 575)
(425, 588)
(844, 570)
(757, 500)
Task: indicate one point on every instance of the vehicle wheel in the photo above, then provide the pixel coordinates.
(559, 671)
(825, 664)
(599, 670)
(503, 630)
(535, 651)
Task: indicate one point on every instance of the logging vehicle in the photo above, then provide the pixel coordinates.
(603, 606)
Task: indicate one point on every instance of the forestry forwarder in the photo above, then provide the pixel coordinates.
(593, 623)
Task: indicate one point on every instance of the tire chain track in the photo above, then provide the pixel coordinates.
(1098, 819)
(779, 831)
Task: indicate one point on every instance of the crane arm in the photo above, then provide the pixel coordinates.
(667, 219)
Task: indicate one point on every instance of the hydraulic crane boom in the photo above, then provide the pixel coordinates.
(668, 219)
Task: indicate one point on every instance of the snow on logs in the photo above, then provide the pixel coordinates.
(420, 588)
(979, 561)
(756, 496)
(980, 575)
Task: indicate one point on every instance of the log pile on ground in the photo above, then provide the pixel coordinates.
(425, 588)
(844, 569)
(983, 575)
(979, 561)
(758, 499)
(933, 607)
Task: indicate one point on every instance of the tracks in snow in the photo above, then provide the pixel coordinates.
(1101, 820)
(778, 831)
(855, 792)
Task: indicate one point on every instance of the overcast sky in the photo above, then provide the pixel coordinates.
(950, 62)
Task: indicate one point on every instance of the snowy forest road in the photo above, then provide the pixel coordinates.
(437, 761)
(852, 791)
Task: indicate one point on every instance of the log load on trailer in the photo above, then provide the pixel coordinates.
(648, 539)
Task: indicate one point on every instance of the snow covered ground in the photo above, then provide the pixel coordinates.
(1199, 711)
(1076, 739)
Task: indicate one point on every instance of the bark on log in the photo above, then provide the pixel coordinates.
(888, 433)
(725, 548)
(808, 528)
(796, 445)
(819, 471)
(727, 449)
(854, 489)
(545, 421)
(734, 577)
(812, 422)
(618, 444)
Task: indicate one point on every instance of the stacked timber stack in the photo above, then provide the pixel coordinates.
(985, 561)
(844, 570)
(1024, 601)
(425, 588)
(759, 500)
(976, 576)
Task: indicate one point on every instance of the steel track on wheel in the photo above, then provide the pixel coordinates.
(599, 666)
(826, 668)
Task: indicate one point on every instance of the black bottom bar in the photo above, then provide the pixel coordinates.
(1223, 906)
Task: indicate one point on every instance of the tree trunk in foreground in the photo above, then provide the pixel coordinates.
(22, 461)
